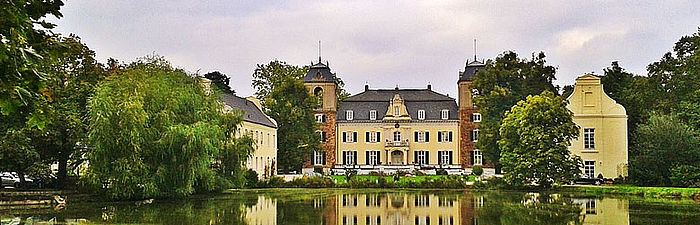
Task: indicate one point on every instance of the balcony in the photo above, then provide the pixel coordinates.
(396, 143)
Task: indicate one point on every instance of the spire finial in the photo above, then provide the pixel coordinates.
(319, 51)
(474, 49)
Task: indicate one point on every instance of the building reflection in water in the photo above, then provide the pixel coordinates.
(445, 209)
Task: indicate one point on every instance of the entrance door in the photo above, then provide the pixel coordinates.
(397, 158)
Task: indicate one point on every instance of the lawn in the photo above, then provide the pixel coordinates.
(654, 192)
(342, 179)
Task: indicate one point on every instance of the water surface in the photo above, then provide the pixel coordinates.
(369, 206)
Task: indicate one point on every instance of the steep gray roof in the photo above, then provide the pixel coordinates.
(252, 112)
(319, 72)
(415, 99)
(470, 70)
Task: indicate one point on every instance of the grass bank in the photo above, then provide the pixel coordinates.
(649, 192)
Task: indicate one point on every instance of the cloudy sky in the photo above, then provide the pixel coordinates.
(384, 43)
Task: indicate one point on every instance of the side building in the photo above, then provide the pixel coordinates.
(602, 143)
(261, 128)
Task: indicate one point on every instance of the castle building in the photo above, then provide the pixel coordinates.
(395, 129)
(389, 130)
(602, 143)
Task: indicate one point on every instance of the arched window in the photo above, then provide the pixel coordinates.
(318, 93)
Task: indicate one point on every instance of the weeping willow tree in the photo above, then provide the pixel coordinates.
(155, 131)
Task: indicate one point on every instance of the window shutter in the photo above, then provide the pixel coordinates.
(379, 137)
(439, 157)
(367, 156)
(427, 157)
(379, 157)
(354, 158)
(367, 136)
(345, 138)
(415, 136)
(439, 137)
(415, 157)
(450, 155)
(427, 136)
(354, 136)
(323, 158)
(471, 158)
(345, 154)
(450, 137)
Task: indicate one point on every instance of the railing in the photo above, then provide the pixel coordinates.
(397, 143)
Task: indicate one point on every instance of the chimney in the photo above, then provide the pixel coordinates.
(430, 86)
(366, 86)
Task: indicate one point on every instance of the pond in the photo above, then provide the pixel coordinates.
(369, 206)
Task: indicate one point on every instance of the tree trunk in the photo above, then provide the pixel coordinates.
(21, 180)
(62, 171)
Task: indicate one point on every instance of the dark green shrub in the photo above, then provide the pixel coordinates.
(349, 174)
(272, 182)
(492, 183)
(375, 173)
(251, 178)
(418, 173)
(477, 170)
(685, 176)
(312, 182)
(382, 182)
(318, 169)
(441, 172)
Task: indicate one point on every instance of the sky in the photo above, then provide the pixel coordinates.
(381, 43)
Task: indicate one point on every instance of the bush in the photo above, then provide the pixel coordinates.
(312, 182)
(349, 174)
(375, 173)
(492, 183)
(251, 178)
(318, 169)
(441, 172)
(477, 170)
(402, 173)
(418, 173)
(685, 176)
(272, 182)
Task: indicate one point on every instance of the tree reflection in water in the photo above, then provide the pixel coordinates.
(365, 206)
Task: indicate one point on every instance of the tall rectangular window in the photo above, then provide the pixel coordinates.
(445, 157)
(373, 115)
(475, 135)
(445, 114)
(319, 158)
(348, 115)
(349, 137)
(320, 118)
(589, 169)
(421, 157)
(397, 136)
(589, 138)
(421, 136)
(444, 136)
(476, 117)
(372, 157)
(421, 114)
(478, 157)
(349, 157)
(322, 135)
(397, 111)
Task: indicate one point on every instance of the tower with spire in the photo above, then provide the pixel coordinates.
(321, 83)
(469, 116)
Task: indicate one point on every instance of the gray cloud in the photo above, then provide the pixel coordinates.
(385, 43)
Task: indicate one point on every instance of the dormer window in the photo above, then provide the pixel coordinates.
(421, 114)
(397, 111)
(372, 114)
(444, 114)
(348, 115)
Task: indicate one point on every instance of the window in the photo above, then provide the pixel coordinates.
(320, 118)
(322, 135)
(372, 114)
(589, 169)
(419, 136)
(445, 114)
(589, 138)
(348, 115)
(422, 201)
(397, 136)
(372, 158)
(421, 157)
(476, 117)
(478, 158)
(371, 137)
(444, 136)
(475, 135)
(319, 158)
(349, 137)
(349, 157)
(421, 114)
(397, 111)
(445, 157)
(590, 207)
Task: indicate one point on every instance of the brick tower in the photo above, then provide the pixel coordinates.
(469, 116)
(321, 82)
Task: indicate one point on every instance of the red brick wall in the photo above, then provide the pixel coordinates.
(466, 146)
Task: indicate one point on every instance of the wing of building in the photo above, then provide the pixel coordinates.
(602, 143)
(261, 128)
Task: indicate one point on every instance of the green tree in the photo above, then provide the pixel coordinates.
(505, 81)
(17, 154)
(286, 99)
(24, 33)
(662, 143)
(155, 132)
(220, 80)
(535, 138)
(72, 75)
